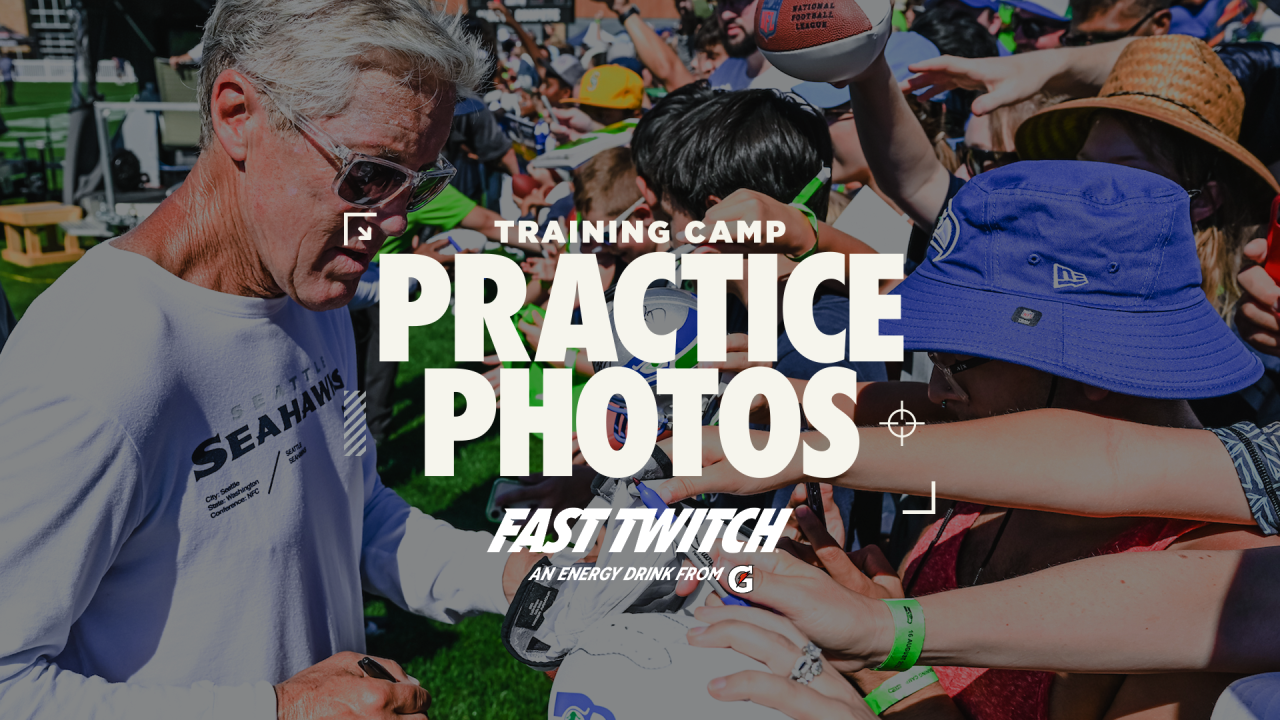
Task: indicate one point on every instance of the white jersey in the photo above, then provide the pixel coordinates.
(180, 526)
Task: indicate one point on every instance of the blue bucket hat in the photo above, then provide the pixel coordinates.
(1084, 270)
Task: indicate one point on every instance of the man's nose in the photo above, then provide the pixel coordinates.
(393, 217)
(940, 390)
(393, 225)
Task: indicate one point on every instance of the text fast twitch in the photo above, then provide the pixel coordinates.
(577, 278)
(657, 531)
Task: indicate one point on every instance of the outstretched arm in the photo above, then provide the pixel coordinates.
(1051, 460)
(897, 150)
(1124, 613)
(526, 40)
(651, 51)
(1188, 610)
(1075, 71)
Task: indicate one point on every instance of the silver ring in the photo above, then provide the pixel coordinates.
(808, 666)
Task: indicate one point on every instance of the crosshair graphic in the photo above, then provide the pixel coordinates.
(907, 427)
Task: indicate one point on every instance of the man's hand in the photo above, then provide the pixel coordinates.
(535, 199)
(432, 250)
(337, 689)
(620, 6)
(735, 358)
(556, 492)
(866, 571)
(776, 642)
(1073, 71)
(1004, 81)
(1256, 314)
(532, 330)
(750, 206)
(574, 119)
(517, 569)
(834, 533)
(853, 630)
(505, 12)
(541, 272)
(719, 476)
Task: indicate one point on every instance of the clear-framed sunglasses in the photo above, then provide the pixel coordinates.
(949, 372)
(366, 181)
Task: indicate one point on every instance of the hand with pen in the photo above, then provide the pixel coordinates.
(351, 685)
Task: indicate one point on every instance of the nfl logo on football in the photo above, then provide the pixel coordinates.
(768, 22)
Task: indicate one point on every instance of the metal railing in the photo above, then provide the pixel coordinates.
(59, 70)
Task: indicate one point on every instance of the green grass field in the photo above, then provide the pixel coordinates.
(469, 673)
(41, 114)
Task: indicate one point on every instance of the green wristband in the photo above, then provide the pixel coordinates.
(908, 634)
(899, 687)
(813, 222)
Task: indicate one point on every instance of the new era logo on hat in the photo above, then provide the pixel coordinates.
(1096, 266)
(1064, 276)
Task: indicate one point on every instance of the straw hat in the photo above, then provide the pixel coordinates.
(1175, 79)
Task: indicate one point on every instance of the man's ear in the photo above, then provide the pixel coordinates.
(650, 197)
(1161, 21)
(1207, 202)
(643, 213)
(233, 107)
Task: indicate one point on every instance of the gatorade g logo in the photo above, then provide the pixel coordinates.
(945, 235)
(769, 18)
(576, 706)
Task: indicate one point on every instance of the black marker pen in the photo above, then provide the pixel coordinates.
(374, 670)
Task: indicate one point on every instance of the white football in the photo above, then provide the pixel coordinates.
(823, 40)
(641, 667)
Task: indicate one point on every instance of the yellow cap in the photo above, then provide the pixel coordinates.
(610, 86)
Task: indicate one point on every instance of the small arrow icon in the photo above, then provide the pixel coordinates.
(364, 231)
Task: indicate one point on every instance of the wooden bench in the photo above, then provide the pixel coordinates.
(28, 228)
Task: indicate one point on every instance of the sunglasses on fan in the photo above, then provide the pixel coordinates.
(1080, 39)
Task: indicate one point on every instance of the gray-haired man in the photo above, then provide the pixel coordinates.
(181, 525)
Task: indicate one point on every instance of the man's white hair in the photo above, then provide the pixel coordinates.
(310, 53)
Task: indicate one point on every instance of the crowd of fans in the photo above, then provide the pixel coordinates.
(1080, 191)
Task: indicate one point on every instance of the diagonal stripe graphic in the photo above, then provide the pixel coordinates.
(355, 424)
